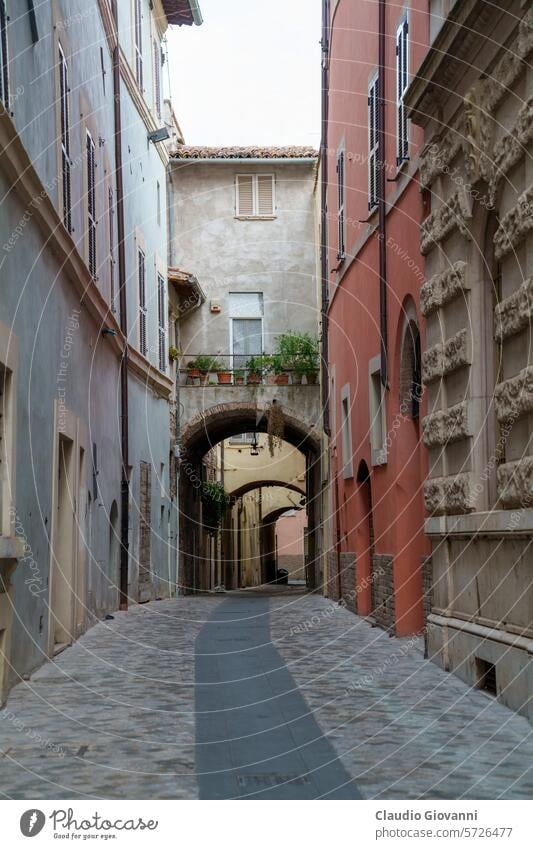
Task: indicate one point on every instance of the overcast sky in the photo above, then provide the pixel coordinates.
(250, 74)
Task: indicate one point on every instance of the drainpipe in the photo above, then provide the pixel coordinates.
(124, 430)
(382, 225)
(324, 218)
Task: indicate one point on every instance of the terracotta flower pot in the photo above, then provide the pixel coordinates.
(204, 376)
(224, 376)
(311, 378)
(193, 373)
(253, 378)
(282, 379)
(239, 381)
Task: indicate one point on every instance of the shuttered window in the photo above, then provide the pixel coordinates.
(66, 199)
(157, 78)
(91, 205)
(402, 75)
(4, 58)
(138, 44)
(373, 143)
(162, 323)
(111, 220)
(255, 196)
(141, 275)
(341, 205)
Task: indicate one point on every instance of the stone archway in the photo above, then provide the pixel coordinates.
(208, 428)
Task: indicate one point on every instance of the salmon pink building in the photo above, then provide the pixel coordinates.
(372, 272)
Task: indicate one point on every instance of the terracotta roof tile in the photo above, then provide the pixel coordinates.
(198, 152)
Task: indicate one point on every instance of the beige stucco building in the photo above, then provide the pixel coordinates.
(473, 95)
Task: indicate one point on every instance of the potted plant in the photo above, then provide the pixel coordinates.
(223, 374)
(278, 364)
(173, 353)
(238, 377)
(205, 364)
(255, 366)
(192, 369)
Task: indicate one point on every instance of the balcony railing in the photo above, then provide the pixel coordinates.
(267, 374)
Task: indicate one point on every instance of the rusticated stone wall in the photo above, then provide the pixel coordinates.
(348, 580)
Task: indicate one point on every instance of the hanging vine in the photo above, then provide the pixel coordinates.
(276, 427)
(215, 502)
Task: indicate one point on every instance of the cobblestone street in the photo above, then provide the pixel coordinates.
(256, 695)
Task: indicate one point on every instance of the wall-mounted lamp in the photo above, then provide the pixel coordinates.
(159, 135)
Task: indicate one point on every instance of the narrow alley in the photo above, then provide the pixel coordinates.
(267, 694)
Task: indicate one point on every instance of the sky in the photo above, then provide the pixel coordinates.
(250, 74)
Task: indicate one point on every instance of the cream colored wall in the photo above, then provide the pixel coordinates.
(241, 468)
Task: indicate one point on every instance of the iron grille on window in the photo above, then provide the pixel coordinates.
(91, 204)
(141, 271)
(162, 323)
(65, 140)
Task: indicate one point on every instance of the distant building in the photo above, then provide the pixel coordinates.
(243, 222)
(87, 519)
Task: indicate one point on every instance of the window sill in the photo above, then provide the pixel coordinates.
(378, 456)
(255, 217)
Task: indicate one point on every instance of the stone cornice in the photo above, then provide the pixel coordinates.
(25, 181)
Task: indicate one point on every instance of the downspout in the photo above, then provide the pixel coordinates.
(324, 218)
(124, 428)
(382, 225)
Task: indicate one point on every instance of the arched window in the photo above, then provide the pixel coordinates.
(411, 372)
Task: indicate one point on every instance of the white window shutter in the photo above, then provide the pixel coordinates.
(265, 194)
(245, 195)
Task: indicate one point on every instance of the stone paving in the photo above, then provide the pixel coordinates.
(114, 715)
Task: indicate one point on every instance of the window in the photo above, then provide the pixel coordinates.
(162, 323)
(242, 439)
(4, 59)
(340, 204)
(246, 326)
(373, 143)
(111, 219)
(157, 78)
(65, 140)
(141, 274)
(138, 44)
(346, 433)
(402, 72)
(255, 196)
(91, 205)
(411, 372)
(377, 413)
